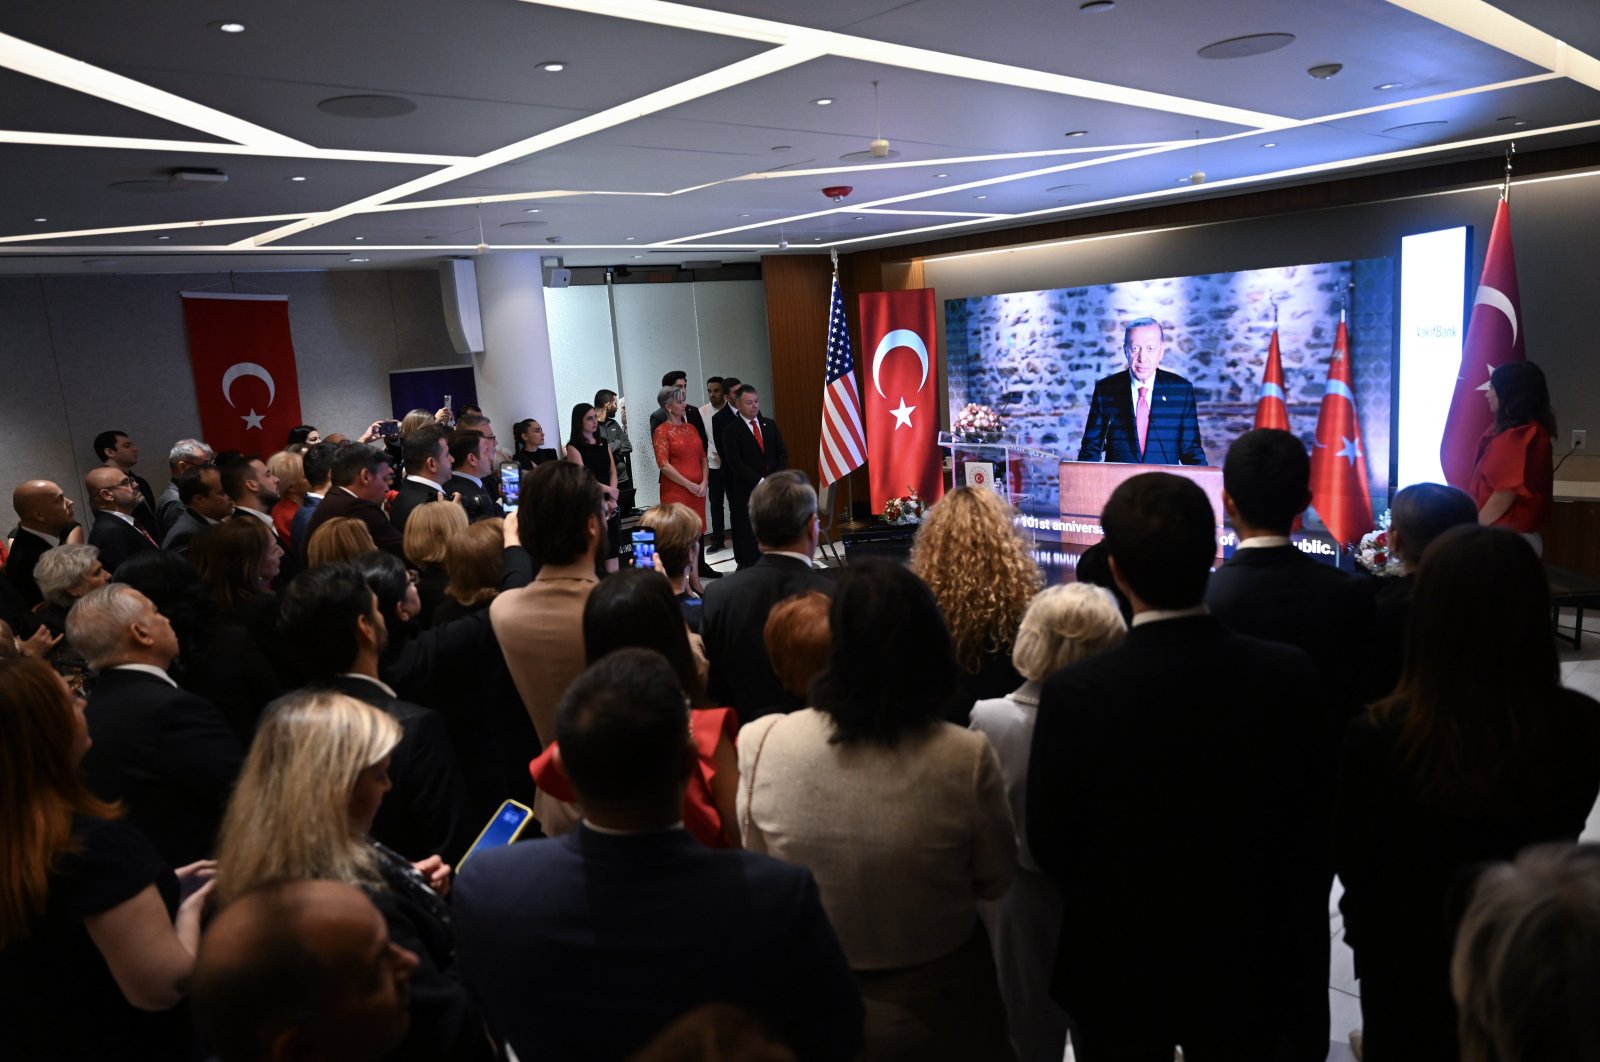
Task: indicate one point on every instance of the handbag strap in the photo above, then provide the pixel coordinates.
(750, 788)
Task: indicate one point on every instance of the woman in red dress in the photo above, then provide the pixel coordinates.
(1513, 480)
(681, 456)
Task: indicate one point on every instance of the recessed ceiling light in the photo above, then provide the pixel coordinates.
(980, 197)
(824, 101)
(533, 210)
(630, 239)
(638, 256)
(1270, 143)
(227, 26)
(163, 237)
(816, 239)
(360, 259)
(1183, 180)
(553, 66)
(859, 217)
(40, 221)
(1244, 47)
(938, 176)
(744, 215)
(1520, 121)
(358, 237)
(296, 178)
(1323, 71)
(1387, 85)
(1077, 132)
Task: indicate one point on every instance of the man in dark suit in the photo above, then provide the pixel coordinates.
(360, 481)
(332, 622)
(185, 454)
(752, 448)
(472, 461)
(204, 503)
(1143, 415)
(318, 464)
(428, 469)
(1175, 794)
(44, 513)
(115, 450)
(587, 945)
(784, 508)
(679, 378)
(165, 753)
(116, 533)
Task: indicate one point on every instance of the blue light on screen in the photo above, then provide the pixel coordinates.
(1432, 304)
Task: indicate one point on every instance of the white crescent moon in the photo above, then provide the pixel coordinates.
(248, 368)
(1496, 298)
(900, 337)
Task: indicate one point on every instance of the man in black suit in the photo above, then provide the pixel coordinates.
(165, 753)
(332, 622)
(318, 464)
(1175, 794)
(204, 503)
(752, 448)
(115, 450)
(185, 454)
(360, 479)
(784, 508)
(1144, 414)
(116, 533)
(587, 945)
(428, 469)
(472, 461)
(44, 514)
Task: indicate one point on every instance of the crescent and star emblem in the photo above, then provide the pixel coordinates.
(900, 337)
(1496, 299)
(249, 368)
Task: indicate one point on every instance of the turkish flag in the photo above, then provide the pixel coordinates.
(1271, 409)
(244, 373)
(1339, 488)
(1494, 338)
(902, 395)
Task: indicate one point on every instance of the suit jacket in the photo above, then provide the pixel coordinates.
(168, 509)
(1176, 791)
(299, 527)
(631, 931)
(408, 496)
(1111, 434)
(540, 631)
(734, 615)
(340, 502)
(26, 549)
(177, 539)
(477, 500)
(422, 814)
(116, 539)
(167, 754)
(744, 464)
(145, 511)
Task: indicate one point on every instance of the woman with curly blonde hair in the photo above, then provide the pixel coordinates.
(969, 553)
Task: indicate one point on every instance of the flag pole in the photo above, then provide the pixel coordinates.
(849, 479)
(1505, 188)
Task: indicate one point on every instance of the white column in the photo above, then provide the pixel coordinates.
(514, 373)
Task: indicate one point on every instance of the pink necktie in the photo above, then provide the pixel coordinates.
(1141, 416)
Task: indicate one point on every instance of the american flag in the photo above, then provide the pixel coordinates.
(844, 441)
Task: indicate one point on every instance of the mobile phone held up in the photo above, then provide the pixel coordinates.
(389, 429)
(507, 825)
(644, 548)
(510, 485)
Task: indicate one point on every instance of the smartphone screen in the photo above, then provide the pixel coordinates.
(510, 485)
(504, 828)
(644, 548)
(389, 429)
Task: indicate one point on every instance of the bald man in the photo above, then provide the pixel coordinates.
(117, 534)
(45, 515)
(302, 970)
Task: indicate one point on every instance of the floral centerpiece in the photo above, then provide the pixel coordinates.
(906, 509)
(1373, 552)
(975, 423)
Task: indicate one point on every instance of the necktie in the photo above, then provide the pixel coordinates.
(1141, 416)
(140, 528)
(755, 426)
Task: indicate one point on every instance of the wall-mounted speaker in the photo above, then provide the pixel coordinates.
(558, 278)
(458, 288)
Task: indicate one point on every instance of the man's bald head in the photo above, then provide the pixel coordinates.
(109, 487)
(302, 970)
(42, 506)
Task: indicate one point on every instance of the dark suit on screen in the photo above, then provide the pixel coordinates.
(167, 755)
(1111, 433)
(1174, 793)
(744, 466)
(117, 539)
(734, 617)
(585, 946)
(340, 502)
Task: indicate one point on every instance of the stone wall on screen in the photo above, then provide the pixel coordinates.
(1036, 355)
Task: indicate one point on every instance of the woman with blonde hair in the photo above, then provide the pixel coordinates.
(678, 529)
(305, 800)
(344, 538)
(428, 532)
(290, 468)
(88, 941)
(1063, 625)
(969, 553)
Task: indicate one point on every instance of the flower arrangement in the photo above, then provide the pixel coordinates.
(978, 423)
(1373, 552)
(906, 509)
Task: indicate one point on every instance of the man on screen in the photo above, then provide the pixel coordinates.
(1143, 415)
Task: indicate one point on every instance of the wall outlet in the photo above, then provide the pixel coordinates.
(1580, 439)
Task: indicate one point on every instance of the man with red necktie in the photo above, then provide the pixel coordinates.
(1143, 415)
(752, 448)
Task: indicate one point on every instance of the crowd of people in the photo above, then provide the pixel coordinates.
(251, 727)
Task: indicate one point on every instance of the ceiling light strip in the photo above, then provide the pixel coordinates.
(745, 70)
(1509, 34)
(202, 147)
(265, 219)
(25, 58)
(925, 213)
(772, 175)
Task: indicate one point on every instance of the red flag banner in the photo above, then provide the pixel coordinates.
(1340, 492)
(244, 372)
(1494, 338)
(902, 394)
(1272, 411)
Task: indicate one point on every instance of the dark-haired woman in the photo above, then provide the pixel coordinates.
(531, 451)
(901, 817)
(1513, 480)
(1478, 753)
(587, 447)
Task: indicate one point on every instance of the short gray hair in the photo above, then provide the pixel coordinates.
(98, 624)
(667, 394)
(780, 506)
(1065, 624)
(190, 450)
(60, 569)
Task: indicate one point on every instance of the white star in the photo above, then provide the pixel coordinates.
(1350, 449)
(252, 420)
(1484, 387)
(902, 416)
